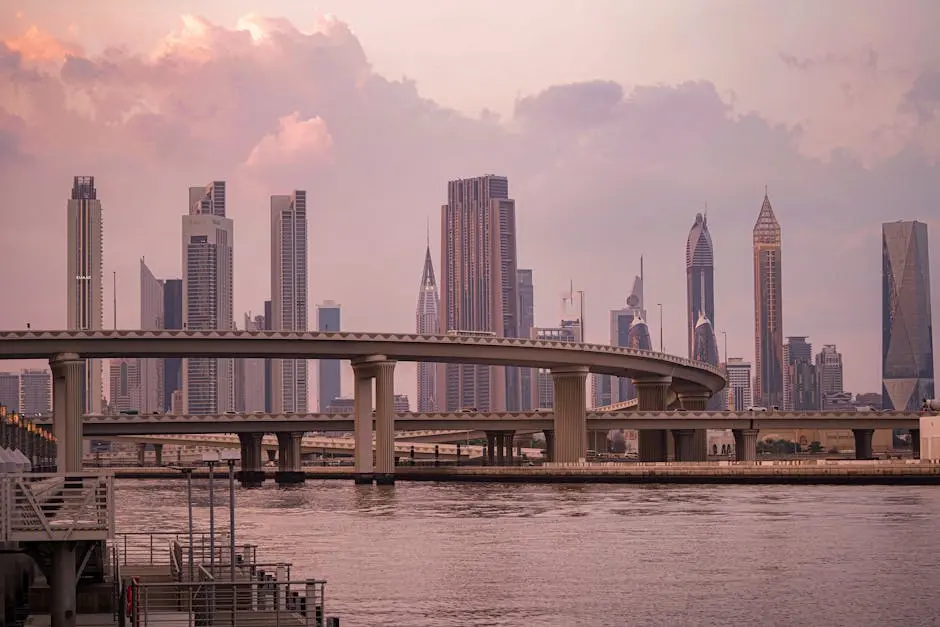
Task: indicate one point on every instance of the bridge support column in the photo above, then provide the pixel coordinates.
(489, 458)
(863, 439)
(915, 443)
(141, 454)
(62, 587)
(696, 401)
(289, 469)
(385, 423)
(686, 449)
(745, 444)
(570, 414)
(508, 438)
(500, 448)
(651, 395)
(67, 412)
(549, 444)
(158, 454)
(363, 371)
(251, 475)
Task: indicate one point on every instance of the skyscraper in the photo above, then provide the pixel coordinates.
(700, 277)
(289, 296)
(428, 322)
(10, 390)
(704, 342)
(85, 279)
(35, 391)
(328, 371)
(906, 325)
(739, 384)
(249, 374)
(267, 362)
(208, 383)
(479, 287)
(829, 374)
(125, 384)
(800, 392)
(172, 319)
(768, 308)
(526, 292)
(151, 318)
(608, 389)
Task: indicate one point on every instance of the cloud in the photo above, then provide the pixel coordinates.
(601, 172)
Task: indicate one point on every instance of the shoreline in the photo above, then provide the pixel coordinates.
(765, 473)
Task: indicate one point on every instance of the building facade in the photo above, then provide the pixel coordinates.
(151, 318)
(606, 390)
(125, 384)
(797, 361)
(289, 378)
(208, 236)
(543, 392)
(249, 374)
(10, 390)
(739, 384)
(428, 322)
(768, 309)
(526, 291)
(172, 319)
(479, 287)
(85, 279)
(329, 320)
(700, 277)
(907, 362)
(829, 375)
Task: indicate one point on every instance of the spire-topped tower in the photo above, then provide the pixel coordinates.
(700, 275)
(428, 322)
(768, 308)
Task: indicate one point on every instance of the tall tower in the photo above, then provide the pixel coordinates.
(85, 277)
(151, 318)
(428, 322)
(768, 308)
(172, 319)
(208, 383)
(906, 325)
(609, 389)
(526, 291)
(479, 287)
(829, 373)
(289, 296)
(700, 276)
(329, 320)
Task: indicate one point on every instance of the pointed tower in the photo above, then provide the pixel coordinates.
(428, 322)
(700, 276)
(768, 309)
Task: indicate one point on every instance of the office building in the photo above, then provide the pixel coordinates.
(526, 292)
(479, 287)
(739, 384)
(907, 361)
(85, 247)
(125, 384)
(606, 390)
(151, 319)
(797, 352)
(428, 322)
(249, 374)
(172, 319)
(768, 309)
(328, 370)
(543, 392)
(10, 390)
(208, 236)
(289, 379)
(268, 404)
(35, 391)
(829, 375)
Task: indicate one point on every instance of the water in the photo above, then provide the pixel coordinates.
(423, 554)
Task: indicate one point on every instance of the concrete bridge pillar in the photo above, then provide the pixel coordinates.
(745, 444)
(289, 470)
(158, 454)
(363, 371)
(141, 454)
(500, 448)
(385, 423)
(549, 444)
(686, 445)
(62, 587)
(508, 441)
(570, 414)
(251, 475)
(67, 410)
(696, 400)
(915, 443)
(863, 439)
(651, 395)
(489, 459)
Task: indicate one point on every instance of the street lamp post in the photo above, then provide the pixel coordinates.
(211, 460)
(231, 510)
(188, 472)
(660, 305)
(725, 334)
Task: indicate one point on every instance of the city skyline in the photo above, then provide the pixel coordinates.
(587, 224)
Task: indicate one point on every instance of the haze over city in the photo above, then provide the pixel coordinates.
(615, 125)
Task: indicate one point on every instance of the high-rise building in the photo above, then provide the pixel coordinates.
(85, 279)
(907, 364)
(543, 392)
(125, 384)
(609, 389)
(739, 384)
(289, 379)
(700, 277)
(704, 342)
(829, 375)
(208, 383)
(249, 374)
(428, 322)
(267, 362)
(797, 350)
(479, 287)
(526, 292)
(172, 319)
(768, 308)
(151, 318)
(328, 371)
(10, 390)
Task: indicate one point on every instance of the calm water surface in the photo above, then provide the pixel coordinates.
(424, 554)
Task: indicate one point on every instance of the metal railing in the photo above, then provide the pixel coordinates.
(45, 506)
(153, 548)
(205, 602)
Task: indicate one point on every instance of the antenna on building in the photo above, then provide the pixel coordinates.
(429, 232)
(114, 290)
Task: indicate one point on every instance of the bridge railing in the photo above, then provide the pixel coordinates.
(39, 507)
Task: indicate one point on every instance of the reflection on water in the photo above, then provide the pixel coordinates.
(423, 554)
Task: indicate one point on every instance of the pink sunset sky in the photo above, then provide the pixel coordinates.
(615, 121)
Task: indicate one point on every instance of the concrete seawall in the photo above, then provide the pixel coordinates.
(820, 472)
